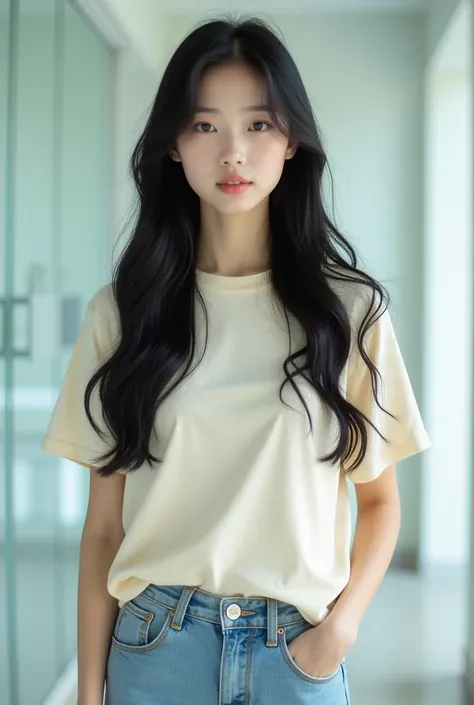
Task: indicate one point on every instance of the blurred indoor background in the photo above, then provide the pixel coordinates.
(391, 82)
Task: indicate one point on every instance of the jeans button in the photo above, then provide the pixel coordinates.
(233, 611)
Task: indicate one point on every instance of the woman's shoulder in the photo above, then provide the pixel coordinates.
(103, 299)
(356, 293)
(103, 312)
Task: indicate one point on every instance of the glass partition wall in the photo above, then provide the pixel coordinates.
(55, 184)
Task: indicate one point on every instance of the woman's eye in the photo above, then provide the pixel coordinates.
(261, 126)
(204, 127)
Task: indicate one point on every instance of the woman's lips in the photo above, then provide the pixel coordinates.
(233, 189)
(234, 185)
(234, 178)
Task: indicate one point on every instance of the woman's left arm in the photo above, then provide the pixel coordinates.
(318, 651)
(375, 539)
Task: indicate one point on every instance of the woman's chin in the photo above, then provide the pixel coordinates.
(234, 205)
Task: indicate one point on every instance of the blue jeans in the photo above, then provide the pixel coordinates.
(177, 645)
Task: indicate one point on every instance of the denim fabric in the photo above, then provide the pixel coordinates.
(178, 645)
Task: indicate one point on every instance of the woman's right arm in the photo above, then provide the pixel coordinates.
(97, 609)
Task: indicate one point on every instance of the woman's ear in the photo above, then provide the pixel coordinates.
(291, 151)
(174, 154)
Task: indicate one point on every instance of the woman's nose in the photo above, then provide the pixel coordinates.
(233, 155)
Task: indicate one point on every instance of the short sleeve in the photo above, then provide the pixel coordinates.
(70, 434)
(406, 434)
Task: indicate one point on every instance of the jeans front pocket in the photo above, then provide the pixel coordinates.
(286, 636)
(142, 624)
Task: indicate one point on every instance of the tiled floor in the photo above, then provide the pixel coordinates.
(411, 645)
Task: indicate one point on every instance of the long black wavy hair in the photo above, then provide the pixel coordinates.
(154, 281)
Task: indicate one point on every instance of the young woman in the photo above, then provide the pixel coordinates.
(223, 388)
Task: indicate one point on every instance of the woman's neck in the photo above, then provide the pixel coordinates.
(233, 244)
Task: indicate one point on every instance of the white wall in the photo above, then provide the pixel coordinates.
(448, 263)
(144, 23)
(470, 644)
(135, 91)
(136, 28)
(137, 31)
(440, 13)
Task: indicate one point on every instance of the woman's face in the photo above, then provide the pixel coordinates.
(232, 136)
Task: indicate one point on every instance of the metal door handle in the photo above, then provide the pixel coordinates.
(8, 309)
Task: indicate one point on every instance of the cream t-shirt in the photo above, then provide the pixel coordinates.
(241, 505)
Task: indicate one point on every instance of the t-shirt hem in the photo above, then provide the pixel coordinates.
(63, 449)
(394, 455)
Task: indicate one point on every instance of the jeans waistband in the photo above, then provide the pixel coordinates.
(232, 612)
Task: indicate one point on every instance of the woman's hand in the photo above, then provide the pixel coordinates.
(320, 650)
